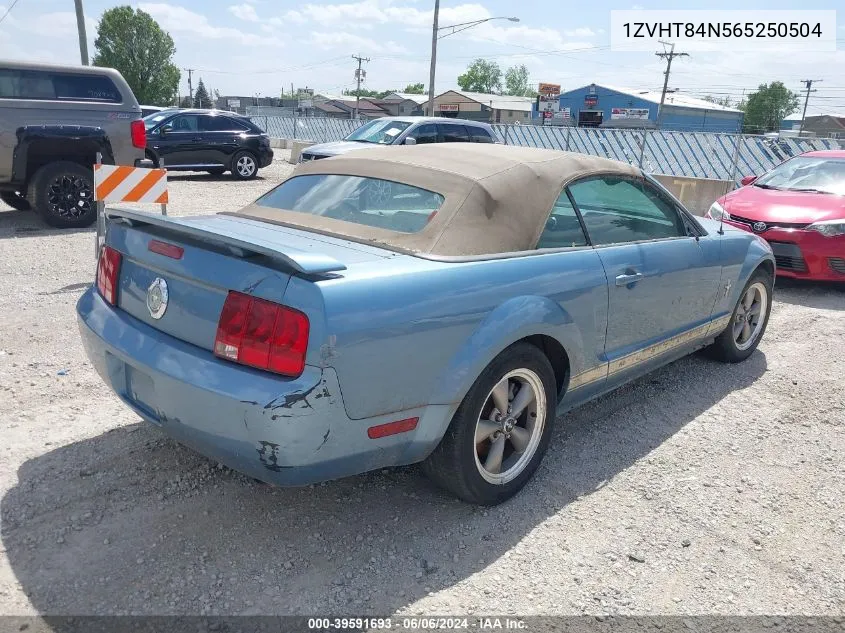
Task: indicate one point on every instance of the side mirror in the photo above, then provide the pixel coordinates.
(747, 180)
(165, 129)
(410, 141)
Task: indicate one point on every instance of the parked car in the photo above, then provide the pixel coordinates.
(311, 335)
(404, 130)
(148, 110)
(207, 140)
(799, 208)
(54, 120)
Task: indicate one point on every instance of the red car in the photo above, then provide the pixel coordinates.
(799, 208)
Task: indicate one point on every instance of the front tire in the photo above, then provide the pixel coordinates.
(500, 432)
(63, 195)
(15, 200)
(748, 321)
(217, 171)
(244, 166)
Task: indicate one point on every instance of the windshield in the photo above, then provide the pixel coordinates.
(369, 201)
(151, 120)
(378, 131)
(807, 173)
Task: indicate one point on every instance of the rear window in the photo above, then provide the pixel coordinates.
(480, 135)
(359, 200)
(53, 86)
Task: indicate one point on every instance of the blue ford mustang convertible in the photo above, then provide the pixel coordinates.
(435, 303)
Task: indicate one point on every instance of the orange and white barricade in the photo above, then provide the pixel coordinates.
(121, 183)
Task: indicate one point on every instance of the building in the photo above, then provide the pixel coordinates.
(366, 108)
(601, 105)
(823, 126)
(402, 104)
(478, 106)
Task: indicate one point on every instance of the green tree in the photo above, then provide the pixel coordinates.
(767, 107)
(414, 89)
(186, 103)
(482, 76)
(201, 98)
(516, 82)
(133, 43)
(363, 92)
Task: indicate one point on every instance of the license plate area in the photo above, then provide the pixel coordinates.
(140, 391)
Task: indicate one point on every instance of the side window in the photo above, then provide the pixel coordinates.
(26, 84)
(562, 228)
(618, 210)
(220, 124)
(426, 133)
(86, 88)
(453, 133)
(185, 123)
(480, 135)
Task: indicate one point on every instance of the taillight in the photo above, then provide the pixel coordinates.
(108, 270)
(262, 334)
(139, 134)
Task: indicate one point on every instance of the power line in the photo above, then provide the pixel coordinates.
(9, 10)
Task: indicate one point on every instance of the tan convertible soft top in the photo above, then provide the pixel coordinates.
(497, 197)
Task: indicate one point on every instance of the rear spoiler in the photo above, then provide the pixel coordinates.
(303, 262)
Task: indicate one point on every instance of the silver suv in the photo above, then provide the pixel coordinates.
(53, 122)
(405, 130)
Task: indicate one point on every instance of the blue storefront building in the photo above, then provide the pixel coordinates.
(608, 106)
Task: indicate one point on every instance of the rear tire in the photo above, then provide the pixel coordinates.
(748, 321)
(244, 166)
(63, 195)
(484, 457)
(15, 200)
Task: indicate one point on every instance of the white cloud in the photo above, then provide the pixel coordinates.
(179, 20)
(335, 39)
(244, 12)
(292, 16)
(582, 31)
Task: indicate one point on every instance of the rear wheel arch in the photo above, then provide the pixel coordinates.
(556, 353)
(531, 318)
(36, 150)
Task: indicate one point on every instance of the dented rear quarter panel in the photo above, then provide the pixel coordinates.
(413, 332)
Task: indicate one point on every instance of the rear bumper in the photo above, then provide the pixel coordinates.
(265, 157)
(804, 254)
(283, 431)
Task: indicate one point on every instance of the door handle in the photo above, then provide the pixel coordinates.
(624, 280)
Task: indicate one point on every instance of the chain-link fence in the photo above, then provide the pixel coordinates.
(691, 154)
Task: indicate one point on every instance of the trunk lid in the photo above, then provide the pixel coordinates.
(219, 253)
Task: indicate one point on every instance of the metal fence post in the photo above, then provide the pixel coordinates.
(642, 148)
(735, 165)
(100, 208)
(568, 134)
(507, 130)
(163, 204)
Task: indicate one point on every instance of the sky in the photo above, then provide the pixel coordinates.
(257, 47)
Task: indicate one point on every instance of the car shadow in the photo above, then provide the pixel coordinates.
(824, 295)
(131, 522)
(17, 224)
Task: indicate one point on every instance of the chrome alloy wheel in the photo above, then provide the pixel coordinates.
(245, 166)
(510, 426)
(750, 316)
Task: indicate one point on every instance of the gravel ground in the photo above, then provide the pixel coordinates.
(700, 489)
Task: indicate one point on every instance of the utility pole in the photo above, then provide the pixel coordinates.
(434, 30)
(359, 75)
(808, 84)
(668, 56)
(80, 26)
(190, 72)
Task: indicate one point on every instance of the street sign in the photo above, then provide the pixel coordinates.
(449, 107)
(548, 89)
(591, 101)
